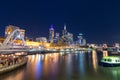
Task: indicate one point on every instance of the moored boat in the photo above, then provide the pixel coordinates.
(110, 61)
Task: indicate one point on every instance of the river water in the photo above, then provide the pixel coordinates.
(64, 66)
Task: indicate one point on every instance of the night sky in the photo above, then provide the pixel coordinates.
(98, 20)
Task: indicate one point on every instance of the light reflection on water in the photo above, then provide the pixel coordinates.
(64, 66)
(94, 60)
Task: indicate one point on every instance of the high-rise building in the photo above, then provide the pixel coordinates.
(57, 37)
(81, 41)
(67, 37)
(51, 34)
(64, 32)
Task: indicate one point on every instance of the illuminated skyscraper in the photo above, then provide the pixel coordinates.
(64, 32)
(57, 37)
(67, 37)
(81, 41)
(51, 34)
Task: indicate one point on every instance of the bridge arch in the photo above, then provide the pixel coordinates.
(13, 35)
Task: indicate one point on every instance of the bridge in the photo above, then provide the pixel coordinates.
(9, 46)
(112, 48)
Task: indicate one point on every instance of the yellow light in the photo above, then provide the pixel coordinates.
(32, 43)
(47, 45)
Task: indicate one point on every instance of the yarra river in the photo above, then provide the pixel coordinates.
(64, 66)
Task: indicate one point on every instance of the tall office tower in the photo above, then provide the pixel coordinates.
(81, 41)
(67, 37)
(51, 34)
(64, 32)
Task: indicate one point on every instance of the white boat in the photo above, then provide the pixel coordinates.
(110, 61)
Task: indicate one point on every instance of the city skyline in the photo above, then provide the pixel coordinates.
(97, 20)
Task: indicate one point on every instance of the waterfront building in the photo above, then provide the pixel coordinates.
(32, 44)
(81, 41)
(51, 34)
(41, 39)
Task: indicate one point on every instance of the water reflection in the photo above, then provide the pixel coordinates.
(69, 64)
(94, 60)
(64, 66)
(82, 65)
(81, 58)
(105, 53)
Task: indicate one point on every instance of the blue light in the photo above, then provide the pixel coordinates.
(51, 28)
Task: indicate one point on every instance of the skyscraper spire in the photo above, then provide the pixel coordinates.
(64, 26)
(64, 30)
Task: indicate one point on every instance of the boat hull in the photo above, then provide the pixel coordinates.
(109, 64)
